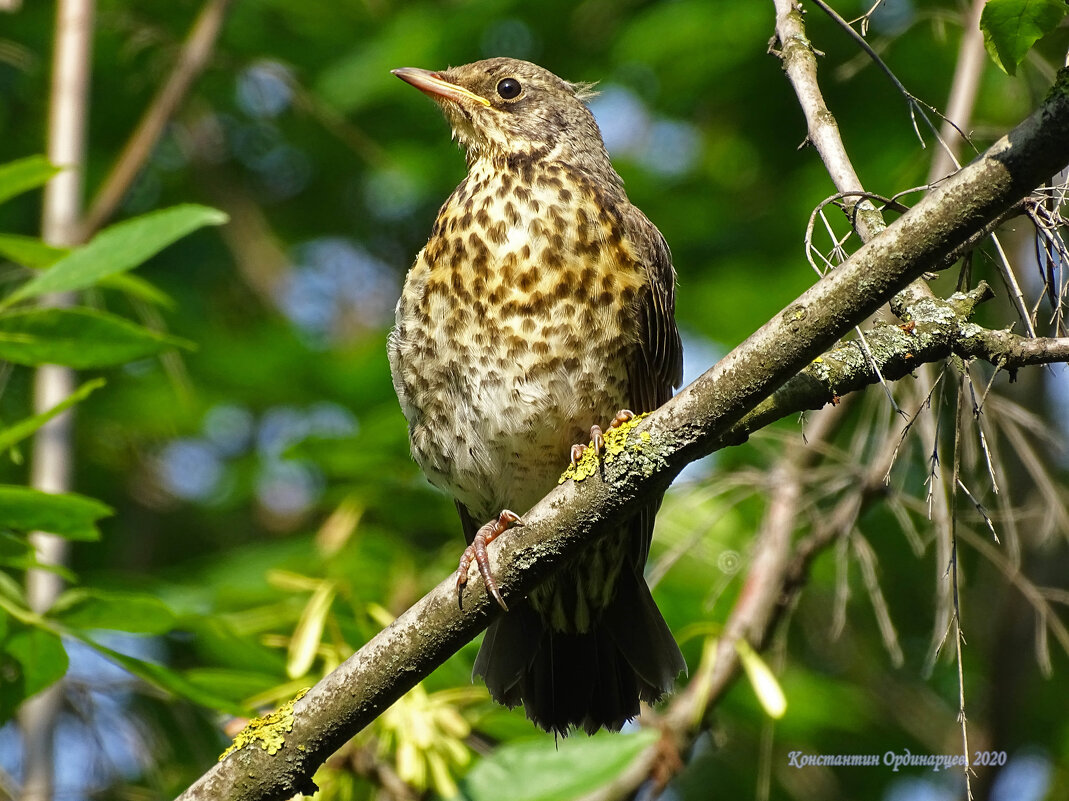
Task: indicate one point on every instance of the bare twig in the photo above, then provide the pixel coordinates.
(866, 557)
(954, 570)
(191, 62)
(966, 85)
(959, 111)
(963, 89)
(914, 103)
(799, 62)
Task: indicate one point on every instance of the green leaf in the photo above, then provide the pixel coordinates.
(135, 612)
(22, 429)
(35, 254)
(1011, 27)
(117, 249)
(235, 684)
(12, 591)
(217, 643)
(80, 338)
(138, 287)
(30, 660)
(68, 515)
(544, 770)
(29, 252)
(167, 679)
(41, 654)
(23, 175)
(16, 551)
(763, 680)
(304, 644)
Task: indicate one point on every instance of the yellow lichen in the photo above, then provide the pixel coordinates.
(269, 731)
(615, 442)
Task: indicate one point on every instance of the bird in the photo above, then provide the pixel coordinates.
(542, 303)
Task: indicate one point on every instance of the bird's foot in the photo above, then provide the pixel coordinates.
(597, 436)
(477, 552)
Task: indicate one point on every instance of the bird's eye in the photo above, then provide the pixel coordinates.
(508, 88)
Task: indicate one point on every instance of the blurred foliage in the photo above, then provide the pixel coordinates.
(32, 653)
(1012, 27)
(267, 519)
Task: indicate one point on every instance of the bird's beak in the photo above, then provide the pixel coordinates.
(431, 83)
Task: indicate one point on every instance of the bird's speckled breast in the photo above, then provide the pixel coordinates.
(514, 330)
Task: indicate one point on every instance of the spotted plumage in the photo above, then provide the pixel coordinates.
(542, 303)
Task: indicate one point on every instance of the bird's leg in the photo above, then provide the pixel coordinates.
(477, 552)
(597, 436)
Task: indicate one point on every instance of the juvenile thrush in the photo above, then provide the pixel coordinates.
(543, 302)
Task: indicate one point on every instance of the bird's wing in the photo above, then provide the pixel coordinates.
(467, 522)
(658, 368)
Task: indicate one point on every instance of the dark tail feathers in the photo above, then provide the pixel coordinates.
(589, 680)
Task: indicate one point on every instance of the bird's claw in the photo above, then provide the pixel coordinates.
(477, 552)
(597, 436)
(577, 453)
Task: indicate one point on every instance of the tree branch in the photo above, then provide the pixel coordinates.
(800, 64)
(689, 426)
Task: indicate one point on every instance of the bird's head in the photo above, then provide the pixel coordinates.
(507, 108)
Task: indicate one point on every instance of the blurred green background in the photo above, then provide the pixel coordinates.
(262, 485)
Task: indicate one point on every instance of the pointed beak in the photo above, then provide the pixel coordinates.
(432, 84)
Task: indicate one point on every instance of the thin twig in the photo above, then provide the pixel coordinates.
(977, 413)
(959, 635)
(964, 88)
(926, 403)
(980, 510)
(914, 103)
(799, 63)
(191, 62)
(866, 557)
(939, 513)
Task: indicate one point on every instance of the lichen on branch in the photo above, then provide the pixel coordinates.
(268, 731)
